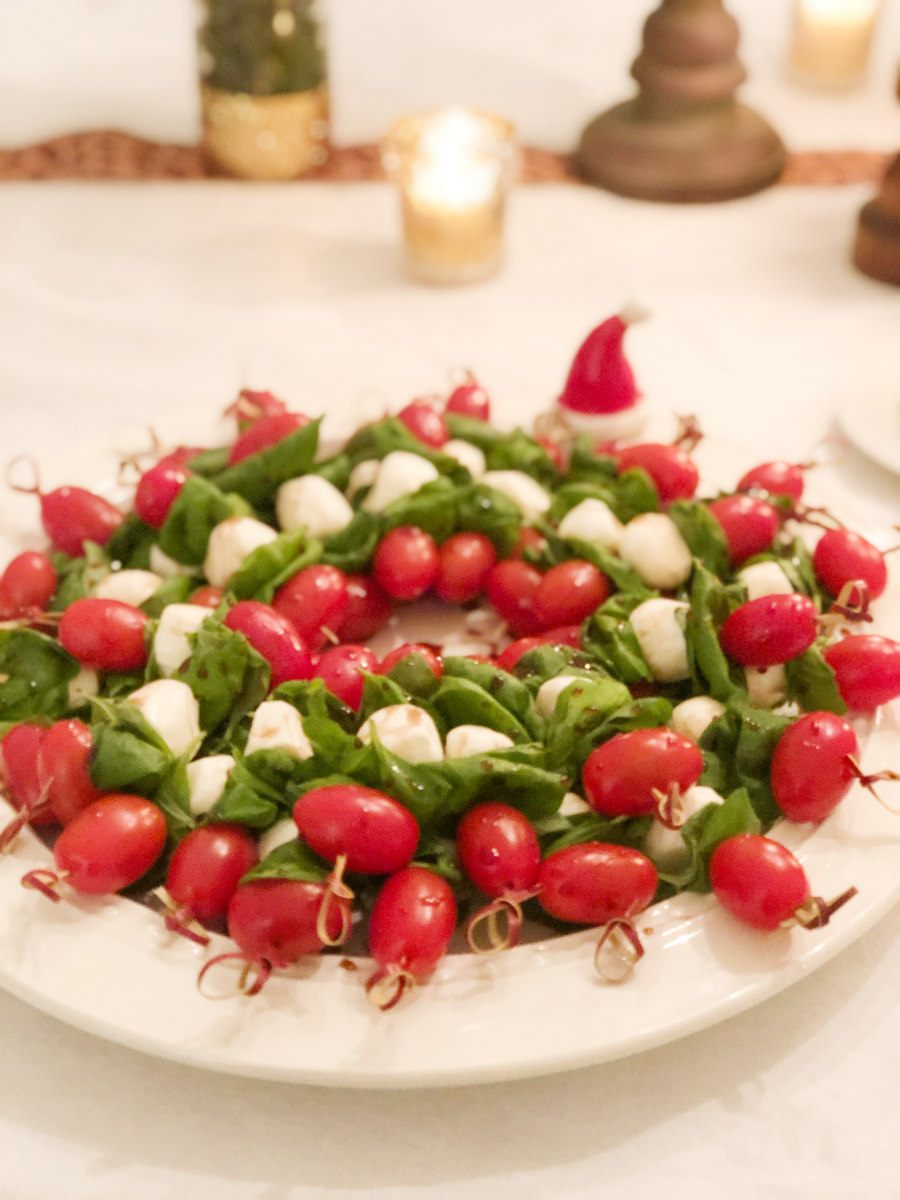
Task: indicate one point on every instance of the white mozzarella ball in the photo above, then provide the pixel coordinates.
(765, 579)
(572, 804)
(652, 545)
(549, 693)
(170, 642)
(276, 725)
(279, 834)
(131, 586)
(169, 706)
(661, 638)
(167, 567)
(401, 474)
(666, 847)
(229, 544)
(466, 740)
(84, 685)
(691, 718)
(766, 686)
(312, 503)
(467, 454)
(407, 731)
(206, 781)
(531, 498)
(592, 521)
(362, 476)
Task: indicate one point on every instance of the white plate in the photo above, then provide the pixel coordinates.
(872, 424)
(107, 966)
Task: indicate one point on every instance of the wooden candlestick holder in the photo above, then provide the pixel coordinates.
(876, 251)
(684, 138)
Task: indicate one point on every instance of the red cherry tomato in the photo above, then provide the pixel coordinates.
(749, 524)
(252, 406)
(569, 592)
(111, 843)
(27, 585)
(207, 866)
(594, 883)
(470, 400)
(425, 423)
(769, 630)
(412, 922)
(498, 849)
(406, 562)
(341, 670)
(432, 660)
(72, 516)
(105, 634)
(267, 431)
(465, 560)
(621, 775)
(207, 596)
(811, 772)
(512, 587)
(157, 490)
(866, 669)
(368, 609)
(63, 761)
(778, 478)
(376, 832)
(273, 636)
(529, 539)
(314, 600)
(19, 757)
(276, 919)
(757, 880)
(843, 557)
(672, 470)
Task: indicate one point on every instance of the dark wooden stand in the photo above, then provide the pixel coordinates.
(876, 251)
(684, 138)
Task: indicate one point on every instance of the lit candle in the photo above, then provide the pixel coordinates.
(453, 168)
(832, 39)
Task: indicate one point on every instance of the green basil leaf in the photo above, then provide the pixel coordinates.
(463, 702)
(195, 512)
(504, 449)
(414, 676)
(431, 507)
(267, 567)
(127, 754)
(379, 691)
(482, 509)
(313, 701)
(557, 832)
(501, 686)
(174, 590)
(609, 639)
(811, 682)
(227, 676)
(737, 752)
(439, 854)
(34, 675)
(292, 860)
(703, 533)
(76, 577)
(577, 722)
(351, 548)
(711, 602)
(259, 476)
(210, 462)
(247, 799)
(378, 439)
(174, 798)
(130, 544)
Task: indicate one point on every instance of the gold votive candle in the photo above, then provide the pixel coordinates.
(453, 168)
(832, 40)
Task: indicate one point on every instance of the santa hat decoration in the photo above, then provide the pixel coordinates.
(601, 393)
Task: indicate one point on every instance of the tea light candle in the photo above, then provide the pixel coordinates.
(832, 39)
(453, 168)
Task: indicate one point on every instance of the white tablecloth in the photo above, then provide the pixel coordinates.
(127, 305)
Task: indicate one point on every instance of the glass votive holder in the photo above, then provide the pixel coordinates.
(453, 168)
(831, 41)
